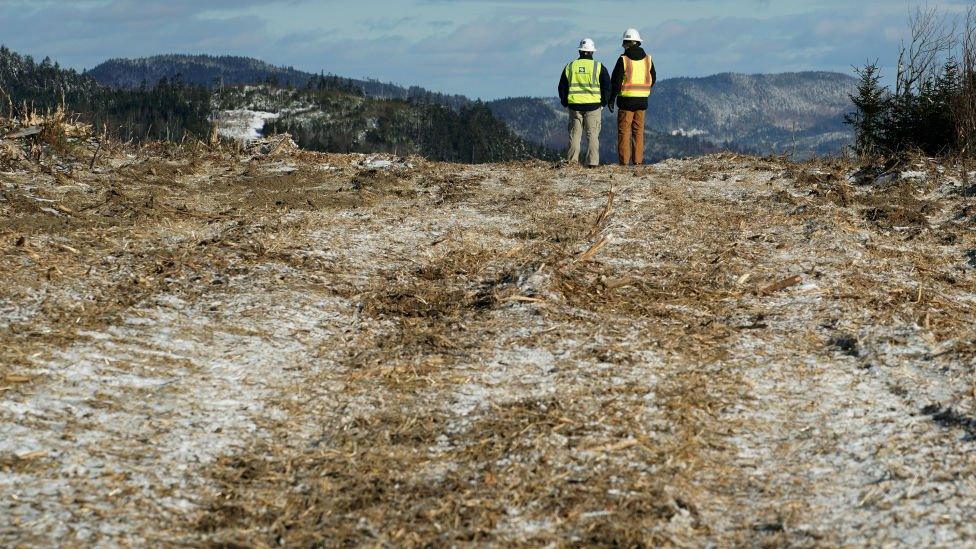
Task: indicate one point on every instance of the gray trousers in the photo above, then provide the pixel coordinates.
(589, 121)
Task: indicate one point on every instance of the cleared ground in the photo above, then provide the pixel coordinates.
(203, 347)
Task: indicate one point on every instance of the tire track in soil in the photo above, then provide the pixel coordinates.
(431, 366)
(464, 424)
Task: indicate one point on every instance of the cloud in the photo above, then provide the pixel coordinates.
(85, 32)
(486, 48)
(828, 40)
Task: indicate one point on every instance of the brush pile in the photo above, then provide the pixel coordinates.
(264, 346)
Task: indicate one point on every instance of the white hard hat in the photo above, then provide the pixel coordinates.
(587, 45)
(632, 36)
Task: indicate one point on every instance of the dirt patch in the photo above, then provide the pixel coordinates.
(949, 418)
(897, 206)
(846, 344)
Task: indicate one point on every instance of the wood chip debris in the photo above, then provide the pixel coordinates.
(345, 383)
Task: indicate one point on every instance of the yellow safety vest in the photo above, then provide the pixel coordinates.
(637, 77)
(583, 76)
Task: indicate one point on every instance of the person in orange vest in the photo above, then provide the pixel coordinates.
(631, 83)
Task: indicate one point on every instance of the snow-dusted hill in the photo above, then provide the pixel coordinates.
(760, 113)
(330, 120)
(218, 71)
(763, 113)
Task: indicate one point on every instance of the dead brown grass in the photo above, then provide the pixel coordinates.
(644, 290)
(551, 462)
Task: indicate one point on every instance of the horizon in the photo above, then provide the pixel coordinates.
(405, 85)
(482, 49)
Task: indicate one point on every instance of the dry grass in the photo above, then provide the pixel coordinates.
(517, 355)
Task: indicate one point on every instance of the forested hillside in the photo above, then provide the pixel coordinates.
(765, 112)
(323, 118)
(216, 71)
(168, 110)
(167, 97)
(322, 112)
(202, 70)
(796, 112)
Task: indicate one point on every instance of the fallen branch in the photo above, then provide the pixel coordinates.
(13, 378)
(781, 285)
(524, 299)
(604, 216)
(28, 456)
(26, 132)
(593, 250)
(622, 445)
(615, 283)
(91, 165)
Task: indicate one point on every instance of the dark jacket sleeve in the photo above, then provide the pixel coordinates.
(604, 86)
(564, 89)
(653, 74)
(616, 80)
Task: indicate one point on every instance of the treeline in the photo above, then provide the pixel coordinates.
(323, 112)
(199, 70)
(216, 72)
(470, 134)
(932, 106)
(168, 111)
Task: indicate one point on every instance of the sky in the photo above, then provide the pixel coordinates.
(480, 48)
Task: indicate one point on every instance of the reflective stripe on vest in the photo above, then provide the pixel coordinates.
(637, 77)
(583, 76)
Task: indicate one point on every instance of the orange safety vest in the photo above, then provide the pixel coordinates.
(637, 77)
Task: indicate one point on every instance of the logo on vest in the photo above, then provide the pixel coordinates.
(582, 70)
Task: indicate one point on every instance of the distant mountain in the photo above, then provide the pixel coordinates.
(216, 71)
(687, 117)
(333, 126)
(201, 70)
(545, 121)
(757, 113)
(765, 112)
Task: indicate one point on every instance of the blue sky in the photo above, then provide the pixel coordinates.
(481, 48)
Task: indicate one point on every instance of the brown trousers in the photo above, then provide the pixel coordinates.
(630, 136)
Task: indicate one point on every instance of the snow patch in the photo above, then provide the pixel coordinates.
(243, 125)
(914, 174)
(694, 132)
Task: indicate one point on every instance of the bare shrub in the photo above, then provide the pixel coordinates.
(965, 105)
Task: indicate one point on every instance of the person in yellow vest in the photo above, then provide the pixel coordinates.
(632, 80)
(584, 89)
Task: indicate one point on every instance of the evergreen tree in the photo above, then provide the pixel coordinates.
(873, 109)
(939, 112)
